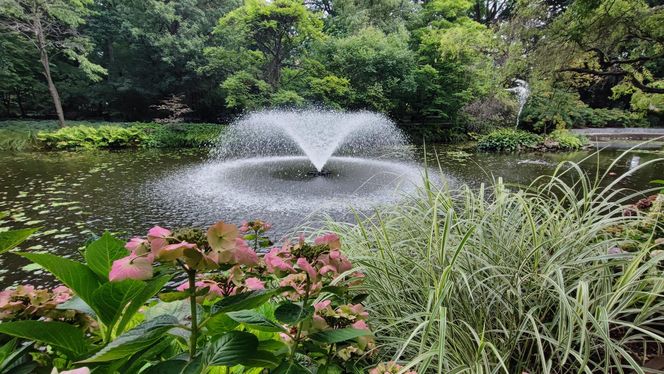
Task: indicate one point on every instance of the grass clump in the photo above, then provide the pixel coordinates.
(563, 139)
(507, 280)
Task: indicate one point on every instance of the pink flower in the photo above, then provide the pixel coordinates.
(83, 370)
(131, 267)
(334, 262)
(158, 232)
(254, 284)
(61, 294)
(214, 287)
(172, 252)
(243, 254)
(274, 260)
(137, 246)
(322, 305)
(360, 325)
(331, 240)
(303, 264)
(221, 236)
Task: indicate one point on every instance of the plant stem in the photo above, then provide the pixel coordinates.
(194, 317)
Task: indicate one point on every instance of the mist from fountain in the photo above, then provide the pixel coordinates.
(316, 134)
(522, 92)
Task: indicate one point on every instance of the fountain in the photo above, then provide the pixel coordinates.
(522, 91)
(276, 162)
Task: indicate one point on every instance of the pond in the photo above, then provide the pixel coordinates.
(75, 196)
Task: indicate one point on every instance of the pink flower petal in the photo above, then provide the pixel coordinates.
(306, 266)
(245, 255)
(158, 232)
(131, 267)
(172, 252)
(254, 284)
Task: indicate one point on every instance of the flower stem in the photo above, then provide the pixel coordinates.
(194, 315)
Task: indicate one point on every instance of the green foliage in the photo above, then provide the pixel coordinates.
(90, 135)
(103, 137)
(507, 140)
(566, 140)
(512, 280)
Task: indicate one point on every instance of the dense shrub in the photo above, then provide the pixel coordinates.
(85, 137)
(563, 139)
(507, 140)
(22, 135)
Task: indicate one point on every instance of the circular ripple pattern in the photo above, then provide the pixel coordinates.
(287, 184)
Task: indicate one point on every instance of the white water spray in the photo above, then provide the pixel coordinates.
(522, 92)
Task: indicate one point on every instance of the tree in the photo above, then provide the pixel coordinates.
(276, 29)
(51, 25)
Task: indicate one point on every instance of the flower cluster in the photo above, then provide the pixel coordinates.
(191, 248)
(28, 302)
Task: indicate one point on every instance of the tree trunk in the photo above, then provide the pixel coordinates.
(43, 57)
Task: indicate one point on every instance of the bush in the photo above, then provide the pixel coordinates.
(509, 281)
(507, 140)
(22, 135)
(565, 140)
(85, 137)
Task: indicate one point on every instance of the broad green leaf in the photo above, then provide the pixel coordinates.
(138, 360)
(330, 368)
(111, 298)
(167, 367)
(10, 239)
(135, 339)
(255, 320)
(262, 359)
(74, 275)
(57, 334)
(246, 300)
(151, 288)
(277, 347)
(291, 313)
(339, 335)
(288, 367)
(101, 253)
(220, 323)
(232, 348)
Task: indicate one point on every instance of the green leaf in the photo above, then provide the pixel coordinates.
(151, 288)
(101, 253)
(291, 313)
(339, 335)
(74, 275)
(288, 367)
(247, 300)
(134, 340)
(167, 367)
(58, 334)
(359, 298)
(220, 323)
(277, 347)
(111, 298)
(10, 239)
(337, 290)
(232, 348)
(255, 320)
(262, 359)
(173, 296)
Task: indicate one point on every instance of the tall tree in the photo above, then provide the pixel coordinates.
(51, 26)
(276, 29)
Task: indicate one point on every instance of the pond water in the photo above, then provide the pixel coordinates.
(75, 196)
